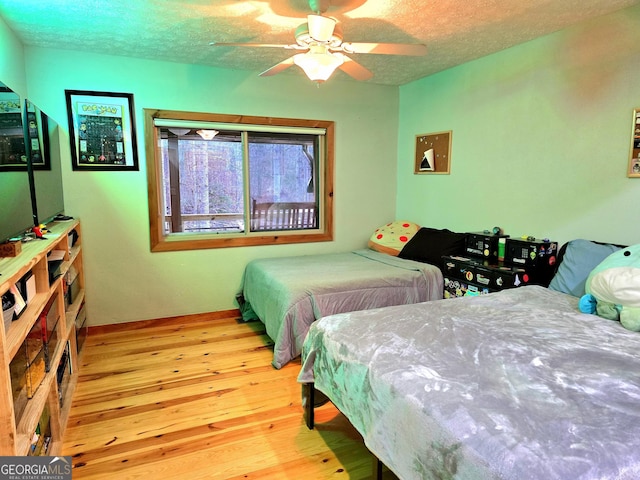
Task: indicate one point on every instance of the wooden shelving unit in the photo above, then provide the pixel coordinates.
(21, 423)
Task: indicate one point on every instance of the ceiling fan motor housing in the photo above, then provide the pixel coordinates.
(305, 39)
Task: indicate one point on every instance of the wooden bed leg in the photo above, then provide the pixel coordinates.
(307, 403)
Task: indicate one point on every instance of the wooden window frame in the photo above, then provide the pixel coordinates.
(160, 242)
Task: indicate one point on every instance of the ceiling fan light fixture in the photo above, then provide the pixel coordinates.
(318, 66)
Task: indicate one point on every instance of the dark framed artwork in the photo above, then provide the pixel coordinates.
(37, 134)
(433, 153)
(634, 158)
(102, 130)
(20, 121)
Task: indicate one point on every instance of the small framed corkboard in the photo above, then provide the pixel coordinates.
(433, 153)
(634, 160)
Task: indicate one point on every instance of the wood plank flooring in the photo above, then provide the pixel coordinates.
(197, 398)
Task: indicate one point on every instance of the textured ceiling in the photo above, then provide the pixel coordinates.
(455, 31)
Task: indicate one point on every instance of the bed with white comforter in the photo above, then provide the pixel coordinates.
(513, 385)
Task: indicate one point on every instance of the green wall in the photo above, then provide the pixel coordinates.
(12, 72)
(541, 137)
(125, 282)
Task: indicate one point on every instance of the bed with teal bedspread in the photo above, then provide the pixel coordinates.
(288, 294)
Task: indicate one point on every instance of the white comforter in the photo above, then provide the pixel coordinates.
(512, 385)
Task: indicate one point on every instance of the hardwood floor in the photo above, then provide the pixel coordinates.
(197, 398)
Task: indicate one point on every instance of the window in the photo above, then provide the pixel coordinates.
(229, 180)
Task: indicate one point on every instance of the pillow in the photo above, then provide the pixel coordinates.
(428, 245)
(577, 258)
(392, 237)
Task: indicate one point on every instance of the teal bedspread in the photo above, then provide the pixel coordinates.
(288, 294)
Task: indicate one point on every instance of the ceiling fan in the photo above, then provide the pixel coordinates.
(322, 50)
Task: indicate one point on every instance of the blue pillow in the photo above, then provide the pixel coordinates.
(580, 257)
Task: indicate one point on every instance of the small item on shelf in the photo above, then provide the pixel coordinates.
(82, 328)
(20, 304)
(55, 255)
(502, 245)
(35, 374)
(28, 367)
(71, 286)
(27, 286)
(49, 325)
(54, 270)
(73, 238)
(40, 230)
(10, 249)
(63, 373)
(51, 338)
(55, 259)
(50, 315)
(42, 435)
(8, 307)
(26, 377)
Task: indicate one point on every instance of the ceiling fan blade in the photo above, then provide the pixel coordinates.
(354, 69)
(277, 68)
(258, 45)
(412, 49)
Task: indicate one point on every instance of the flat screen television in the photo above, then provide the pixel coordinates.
(47, 182)
(16, 212)
(30, 166)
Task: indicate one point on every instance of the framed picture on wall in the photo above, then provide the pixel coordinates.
(634, 160)
(14, 137)
(37, 134)
(433, 153)
(102, 130)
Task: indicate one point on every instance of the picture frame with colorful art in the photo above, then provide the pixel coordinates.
(14, 115)
(433, 153)
(634, 157)
(102, 130)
